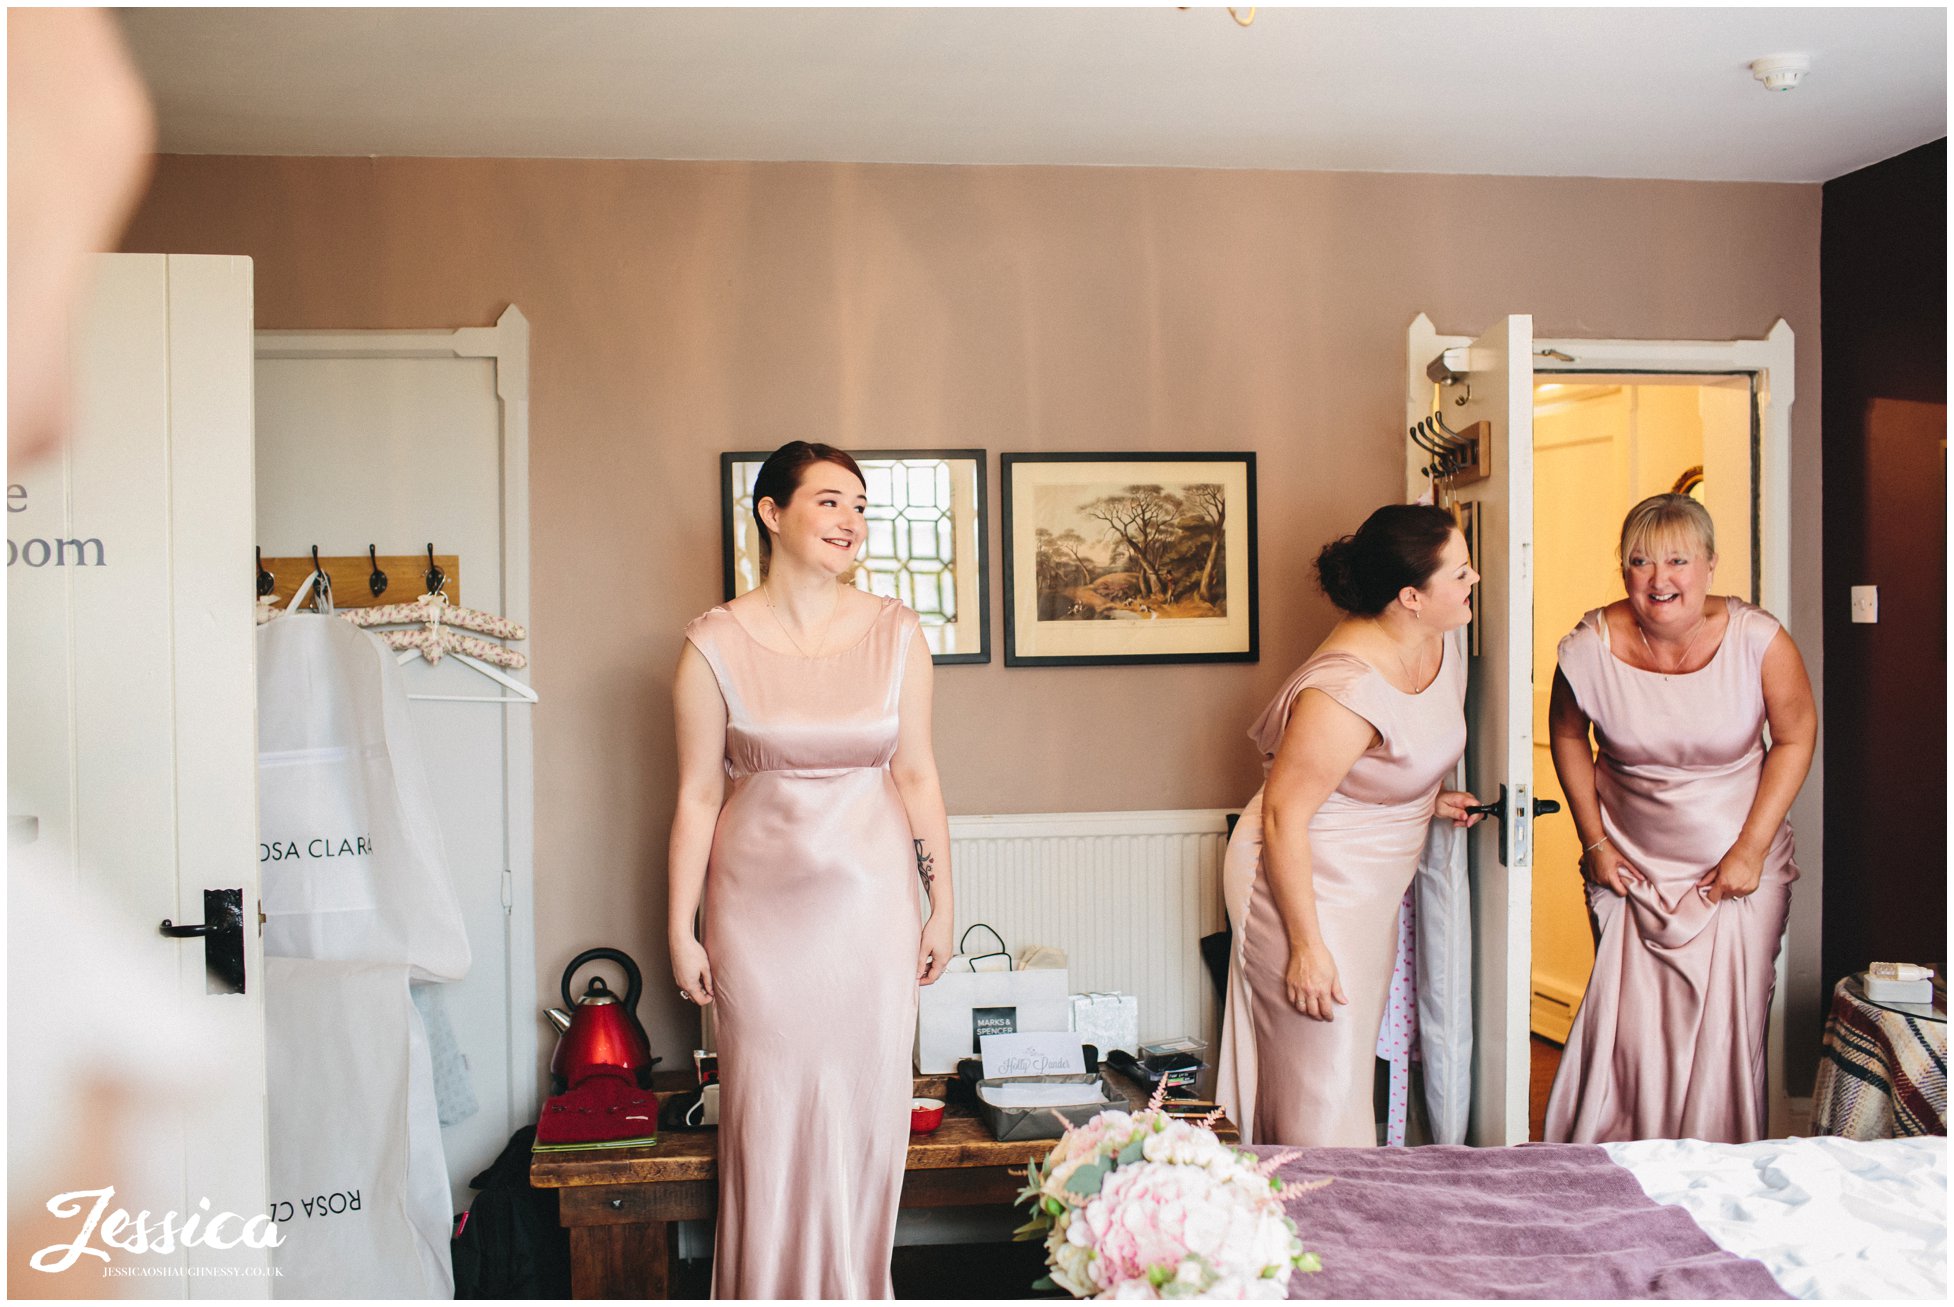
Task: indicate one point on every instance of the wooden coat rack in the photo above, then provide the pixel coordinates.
(406, 577)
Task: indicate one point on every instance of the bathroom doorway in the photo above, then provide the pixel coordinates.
(1601, 443)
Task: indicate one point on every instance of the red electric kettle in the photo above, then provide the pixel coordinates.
(599, 1029)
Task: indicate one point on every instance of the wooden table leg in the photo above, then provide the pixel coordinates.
(622, 1261)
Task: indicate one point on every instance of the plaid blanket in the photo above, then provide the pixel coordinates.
(1882, 1074)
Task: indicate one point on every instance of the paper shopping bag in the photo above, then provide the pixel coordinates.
(962, 1005)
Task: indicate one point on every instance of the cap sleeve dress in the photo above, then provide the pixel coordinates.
(1288, 1079)
(1669, 1039)
(812, 922)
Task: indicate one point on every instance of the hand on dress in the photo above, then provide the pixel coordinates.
(936, 949)
(1735, 877)
(1605, 866)
(692, 972)
(1311, 981)
(1452, 805)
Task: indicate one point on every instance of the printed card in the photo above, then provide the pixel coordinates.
(1035, 1053)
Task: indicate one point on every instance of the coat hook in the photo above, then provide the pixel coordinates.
(377, 582)
(266, 581)
(321, 583)
(436, 578)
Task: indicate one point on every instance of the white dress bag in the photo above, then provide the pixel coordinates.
(358, 901)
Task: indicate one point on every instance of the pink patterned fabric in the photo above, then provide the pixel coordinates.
(1397, 1036)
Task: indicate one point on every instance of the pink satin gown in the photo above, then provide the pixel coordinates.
(1669, 1039)
(812, 916)
(1284, 1077)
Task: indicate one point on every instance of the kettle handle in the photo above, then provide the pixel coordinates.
(633, 982)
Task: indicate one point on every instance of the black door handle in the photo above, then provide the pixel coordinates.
(1497, 808)
(223, 937)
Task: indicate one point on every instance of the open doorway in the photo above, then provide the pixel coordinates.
(1601, 443)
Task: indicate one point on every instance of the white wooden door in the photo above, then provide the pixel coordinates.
(396, 439)
(1494, 379)
(132, 788)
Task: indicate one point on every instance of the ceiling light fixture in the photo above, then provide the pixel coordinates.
(1781, 72)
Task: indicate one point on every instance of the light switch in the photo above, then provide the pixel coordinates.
(1865, 603)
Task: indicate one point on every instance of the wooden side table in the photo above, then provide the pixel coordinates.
(1883, 1069)
(619, 1204)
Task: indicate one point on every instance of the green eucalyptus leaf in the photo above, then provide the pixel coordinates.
(1087, 1179)
(1132, 1152)
(1043, 1285)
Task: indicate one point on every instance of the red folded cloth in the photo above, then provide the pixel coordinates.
(603, 1106)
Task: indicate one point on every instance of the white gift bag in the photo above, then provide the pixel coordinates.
(359, 1188)
(980, 994)
(1107, 1021)
(349, 843)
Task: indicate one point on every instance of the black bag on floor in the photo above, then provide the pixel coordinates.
(510, 1245)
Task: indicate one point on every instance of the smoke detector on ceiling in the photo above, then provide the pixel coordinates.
(1781, 72)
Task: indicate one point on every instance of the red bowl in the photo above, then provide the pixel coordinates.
(925, 1114)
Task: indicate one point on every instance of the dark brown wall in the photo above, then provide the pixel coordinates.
(1883, 288)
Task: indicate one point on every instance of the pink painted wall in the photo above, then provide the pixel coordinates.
(682, 309)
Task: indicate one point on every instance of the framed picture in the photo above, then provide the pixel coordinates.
(926, 540)
(1129, 558)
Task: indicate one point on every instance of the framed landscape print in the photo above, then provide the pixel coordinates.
(926, 540)
(1129, 558)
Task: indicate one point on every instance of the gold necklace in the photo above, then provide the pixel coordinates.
(766, 594)
(1688, 649)
(1416, 682)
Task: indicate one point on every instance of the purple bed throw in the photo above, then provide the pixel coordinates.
(1532, 1221)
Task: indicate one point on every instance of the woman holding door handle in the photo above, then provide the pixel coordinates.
(1356, 745)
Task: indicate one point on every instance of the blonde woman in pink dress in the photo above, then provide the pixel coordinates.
(1355, 748)
(809, 816)
(1687, 854)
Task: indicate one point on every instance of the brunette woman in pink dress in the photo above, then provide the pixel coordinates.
(1355, 747)
(809, 816)
(1686, 851)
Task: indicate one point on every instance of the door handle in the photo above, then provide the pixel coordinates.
(1497, 808)
(222, 932)
(1515, 836)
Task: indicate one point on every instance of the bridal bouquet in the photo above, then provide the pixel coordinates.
(1140, 1205)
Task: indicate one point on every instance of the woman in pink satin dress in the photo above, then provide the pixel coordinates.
(1687, 854)
(809, 813)
(1355, 746)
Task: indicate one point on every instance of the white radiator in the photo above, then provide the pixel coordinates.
(1127, 895)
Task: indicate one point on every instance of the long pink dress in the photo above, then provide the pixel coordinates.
(1669, 1039)
(1285, 1078)
(812, 915)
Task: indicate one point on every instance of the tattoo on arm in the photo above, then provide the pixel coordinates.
(925, 866)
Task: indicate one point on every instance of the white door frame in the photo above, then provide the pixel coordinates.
(507, 345)
(1771, 360)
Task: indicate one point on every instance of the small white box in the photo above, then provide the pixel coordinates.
(1900, 991)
